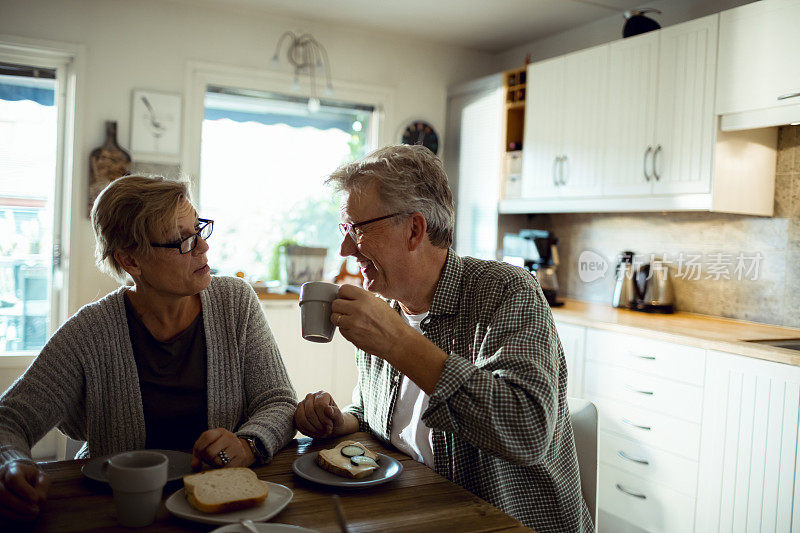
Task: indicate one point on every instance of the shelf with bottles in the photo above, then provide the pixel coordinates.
(515, 87)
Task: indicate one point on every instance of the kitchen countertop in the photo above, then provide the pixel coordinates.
(707, 332)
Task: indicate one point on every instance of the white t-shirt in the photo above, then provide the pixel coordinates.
(409, 433)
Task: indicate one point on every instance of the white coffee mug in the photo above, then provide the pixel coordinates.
(316, 298)
(137, 479)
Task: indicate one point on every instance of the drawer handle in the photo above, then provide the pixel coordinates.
(626, 421)
(788, 95)
(630, 492)
(634, 389)
(640, 356)
(632, 459)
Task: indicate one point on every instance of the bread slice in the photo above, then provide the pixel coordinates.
(224, 490)
(334, 462)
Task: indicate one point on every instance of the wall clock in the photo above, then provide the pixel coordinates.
(420, 132)
(155, 126)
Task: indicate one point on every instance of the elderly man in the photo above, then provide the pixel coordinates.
(462, 369)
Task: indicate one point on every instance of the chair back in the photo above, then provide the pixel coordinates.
(583, 415)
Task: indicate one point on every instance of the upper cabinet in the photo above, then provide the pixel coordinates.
(660, 111)
(631, 115)
(685, 130)
(631, 126)
(564, 117)
(758, 82)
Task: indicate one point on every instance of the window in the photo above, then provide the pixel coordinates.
(28, 154)
(264, 157)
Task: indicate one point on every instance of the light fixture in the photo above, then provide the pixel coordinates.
(307, 56)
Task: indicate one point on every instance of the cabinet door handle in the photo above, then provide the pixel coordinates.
(640, 391)
(555, 166)
(644, 166)
(789, 95)
(655, 159)
(640, 356)
(631, 493)
(637, 426)
(632, 459)
(563, 180)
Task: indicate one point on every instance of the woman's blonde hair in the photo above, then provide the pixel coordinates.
(130, 212)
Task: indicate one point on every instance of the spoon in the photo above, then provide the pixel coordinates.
(248, 525)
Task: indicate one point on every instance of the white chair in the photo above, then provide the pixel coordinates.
(583, 415)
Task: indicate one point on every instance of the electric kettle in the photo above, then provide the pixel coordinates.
(654, 288)
(625, 294)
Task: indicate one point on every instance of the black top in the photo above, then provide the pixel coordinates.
(172, 378)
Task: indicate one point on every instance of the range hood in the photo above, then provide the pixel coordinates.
(761, 118)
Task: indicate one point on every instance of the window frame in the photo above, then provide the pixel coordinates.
(68, 60)
(200, 75)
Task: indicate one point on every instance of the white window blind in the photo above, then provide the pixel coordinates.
(479, 172)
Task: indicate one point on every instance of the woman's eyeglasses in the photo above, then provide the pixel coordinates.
(189, 243)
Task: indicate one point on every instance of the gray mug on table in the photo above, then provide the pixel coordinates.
(315, 310)
(137, 479)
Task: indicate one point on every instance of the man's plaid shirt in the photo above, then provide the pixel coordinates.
(501, 426)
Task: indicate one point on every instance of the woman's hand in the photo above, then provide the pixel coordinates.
(23, 488)
(207, 447)
(318, 416)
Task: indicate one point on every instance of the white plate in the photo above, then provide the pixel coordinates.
(180, 464)
(264, 528)
(278, 498)
(306, 467)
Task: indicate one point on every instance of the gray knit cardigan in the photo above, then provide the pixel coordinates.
(85, 382)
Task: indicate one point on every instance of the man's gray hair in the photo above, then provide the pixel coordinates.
(409, 179)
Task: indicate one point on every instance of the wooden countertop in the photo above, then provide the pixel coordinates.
(418, 498)
(277, 296)
(710, 333)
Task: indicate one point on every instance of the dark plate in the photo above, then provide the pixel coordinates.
(179, 466)
(306, 467)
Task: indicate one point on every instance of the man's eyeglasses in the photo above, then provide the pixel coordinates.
(189, 243)
(355, 231)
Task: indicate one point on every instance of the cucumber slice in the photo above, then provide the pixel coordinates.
(352, 451)
(363, 460)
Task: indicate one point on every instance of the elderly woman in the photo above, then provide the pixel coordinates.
(179, 360)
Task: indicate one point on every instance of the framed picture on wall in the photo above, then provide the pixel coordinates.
(156, 126)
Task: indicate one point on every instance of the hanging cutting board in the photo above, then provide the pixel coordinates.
(107, 163)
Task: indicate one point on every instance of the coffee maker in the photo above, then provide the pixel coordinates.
(536, 251)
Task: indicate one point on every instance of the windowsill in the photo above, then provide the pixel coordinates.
(18, 358)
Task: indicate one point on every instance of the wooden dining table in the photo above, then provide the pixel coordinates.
(418, 499)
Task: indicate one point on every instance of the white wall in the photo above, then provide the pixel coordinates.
(147, 44)
(609, 29)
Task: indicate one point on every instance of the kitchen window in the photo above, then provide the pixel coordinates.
(264, 157)
(28, 155)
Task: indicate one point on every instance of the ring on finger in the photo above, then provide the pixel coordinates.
(338, 319)
(223, 457)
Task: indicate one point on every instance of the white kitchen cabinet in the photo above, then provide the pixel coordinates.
(585, 94)
(749, 476)
(648, 395)
(542, 141)
(685, 123)
(651, 143)
(311, 366)
(564, 126)
(573, 341)
(630, 115)
(661, 127)
(758, 80)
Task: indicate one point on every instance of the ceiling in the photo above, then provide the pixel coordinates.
(485, 25)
